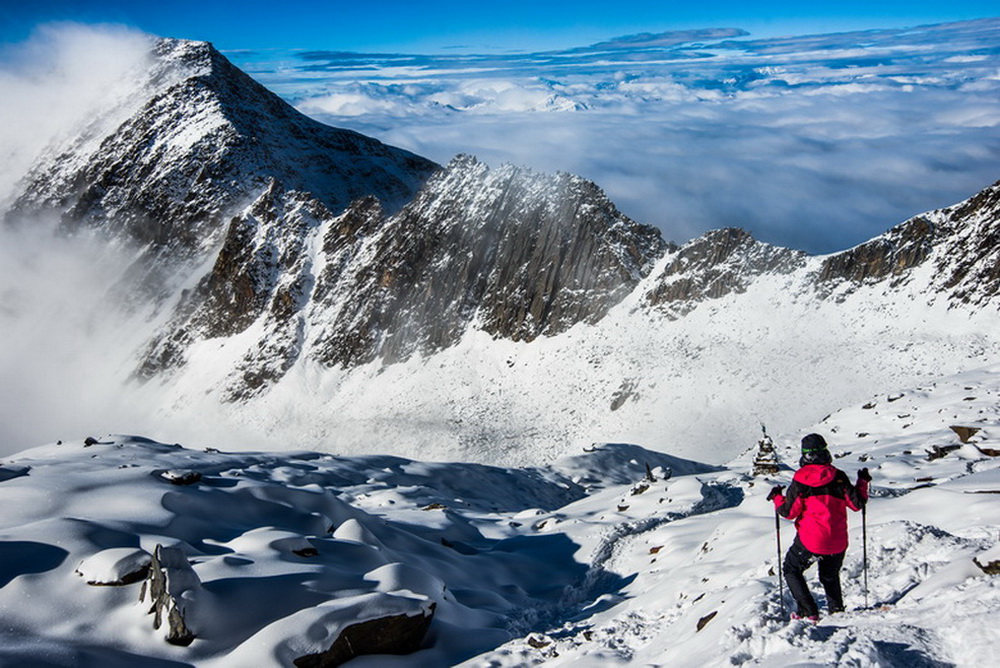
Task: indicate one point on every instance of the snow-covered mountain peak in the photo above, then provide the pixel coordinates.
(194, 141)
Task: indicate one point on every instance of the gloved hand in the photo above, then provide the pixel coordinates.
(775, 492)
(863, 474)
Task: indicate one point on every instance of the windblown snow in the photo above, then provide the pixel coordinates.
(614, 555)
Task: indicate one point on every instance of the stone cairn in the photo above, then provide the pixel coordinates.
(765, 462)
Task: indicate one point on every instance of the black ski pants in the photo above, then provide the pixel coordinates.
(797, 560)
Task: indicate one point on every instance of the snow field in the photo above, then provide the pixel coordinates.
(582, 562)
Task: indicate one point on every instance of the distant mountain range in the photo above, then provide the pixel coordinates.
(368, 296)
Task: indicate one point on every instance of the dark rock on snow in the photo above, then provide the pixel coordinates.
(171, 586)
(181, 477)
(397, 634)
(964, 433)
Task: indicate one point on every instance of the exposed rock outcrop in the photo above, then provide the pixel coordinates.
(508, 251)
(964, 433)
(396, 634)
(989, 561)
(518, 253)
(889, 255)
(962, 243)
(172, 585)
(714, 265)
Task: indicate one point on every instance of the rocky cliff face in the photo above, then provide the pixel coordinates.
(516, 253)
(511, 252)
(967, 262)
(959, 247)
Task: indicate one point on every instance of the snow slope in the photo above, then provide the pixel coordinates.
(576, 563)
(782, 351)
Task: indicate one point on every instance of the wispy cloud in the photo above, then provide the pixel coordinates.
(51, 84)
(62, 360)
(817, 142)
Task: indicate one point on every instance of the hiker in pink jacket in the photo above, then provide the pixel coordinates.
(817, 500)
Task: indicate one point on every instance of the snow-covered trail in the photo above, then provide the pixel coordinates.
(701, 588)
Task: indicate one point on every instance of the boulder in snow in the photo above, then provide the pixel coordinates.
(938, 451)
(706, 619)
(989, 561)
(964, 433)
(181, 476)
(395, 634)
(115, 567)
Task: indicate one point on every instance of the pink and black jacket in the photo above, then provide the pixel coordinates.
(817, 500)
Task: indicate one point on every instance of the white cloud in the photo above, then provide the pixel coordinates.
(52, 83)
(817, 143)
(65, 352)
(62, 358)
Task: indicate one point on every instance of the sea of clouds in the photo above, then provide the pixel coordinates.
(814, 142)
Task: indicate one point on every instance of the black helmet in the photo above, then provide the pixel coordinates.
(814, 450)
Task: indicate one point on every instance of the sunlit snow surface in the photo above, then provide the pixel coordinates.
(571, 564)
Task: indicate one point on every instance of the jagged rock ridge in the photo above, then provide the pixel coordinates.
(514, 253)
(961, 243)
(714, 265)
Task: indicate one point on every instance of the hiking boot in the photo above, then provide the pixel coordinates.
(809, 618)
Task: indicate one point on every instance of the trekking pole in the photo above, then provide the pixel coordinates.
(864, 547)
(781, 588)
(777, 534)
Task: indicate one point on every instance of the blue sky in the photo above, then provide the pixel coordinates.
(436, 25)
